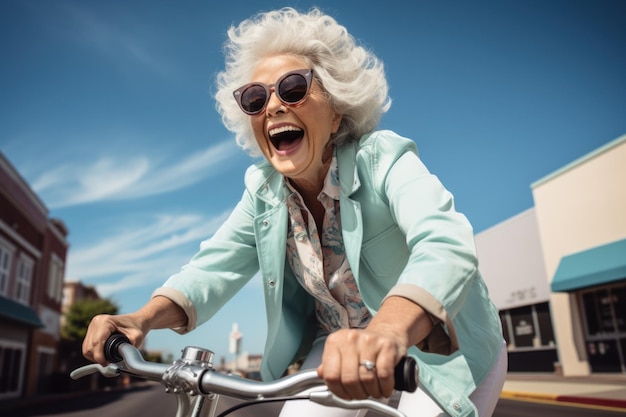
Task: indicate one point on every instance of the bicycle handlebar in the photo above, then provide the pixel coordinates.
(194, 375)
(405, 372)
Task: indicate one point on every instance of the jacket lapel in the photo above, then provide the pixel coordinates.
(270, 227)
(351, 219)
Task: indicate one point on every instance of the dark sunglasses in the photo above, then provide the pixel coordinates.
(291, 89)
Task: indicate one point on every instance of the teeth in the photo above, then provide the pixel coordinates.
(274, 132)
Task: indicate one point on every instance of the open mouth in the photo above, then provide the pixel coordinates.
(286, 137)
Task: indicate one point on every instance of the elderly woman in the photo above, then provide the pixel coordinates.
(362, 255)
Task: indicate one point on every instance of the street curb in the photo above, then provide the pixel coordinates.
(528, 395)
(604, 402)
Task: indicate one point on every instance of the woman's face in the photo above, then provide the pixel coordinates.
(293, 139)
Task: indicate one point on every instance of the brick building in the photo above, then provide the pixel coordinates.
(33, 248)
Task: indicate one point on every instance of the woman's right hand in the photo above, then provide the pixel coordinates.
(102, 326)
(158, 313)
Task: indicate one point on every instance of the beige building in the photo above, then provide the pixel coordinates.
(557, 272)
(581, 215)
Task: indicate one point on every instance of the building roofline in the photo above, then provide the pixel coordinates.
(6, 165)
(59, 229)
(602, 149)
(504, 223)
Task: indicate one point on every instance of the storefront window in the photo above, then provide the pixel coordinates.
(530, 338)
(546, 331)
(605, 310)
(528, 326)
(604, 316)
(505, 328)
(620, 308)
(11, 368)
(591, 313)
(523, 327)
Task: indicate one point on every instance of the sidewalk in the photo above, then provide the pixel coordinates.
(600, 390)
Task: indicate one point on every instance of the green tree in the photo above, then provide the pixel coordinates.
(80, 314)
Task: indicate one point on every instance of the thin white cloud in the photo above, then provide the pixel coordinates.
(184, 173)
(128, 282)
(103, 179)
(141, 256)
(124, 177)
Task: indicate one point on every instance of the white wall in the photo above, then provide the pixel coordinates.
(511, 262)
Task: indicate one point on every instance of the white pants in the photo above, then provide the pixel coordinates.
(417, 403)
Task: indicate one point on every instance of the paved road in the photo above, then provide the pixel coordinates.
(149, 400)
(144, 400)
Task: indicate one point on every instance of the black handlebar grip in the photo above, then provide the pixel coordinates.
(112, 345)
(406, 374)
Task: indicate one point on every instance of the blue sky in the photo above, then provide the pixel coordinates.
(106, 109)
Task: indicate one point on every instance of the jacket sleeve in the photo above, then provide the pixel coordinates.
(222, 266)
(442, 258)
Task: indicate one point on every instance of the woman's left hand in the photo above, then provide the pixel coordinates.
(359, 363)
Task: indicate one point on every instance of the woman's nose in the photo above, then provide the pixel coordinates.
(274, 104)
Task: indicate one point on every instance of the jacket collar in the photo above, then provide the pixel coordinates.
(272, 188)
(272, 185)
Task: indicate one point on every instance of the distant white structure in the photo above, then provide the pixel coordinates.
(234, 340)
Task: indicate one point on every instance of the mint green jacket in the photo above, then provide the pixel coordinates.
(402, 237)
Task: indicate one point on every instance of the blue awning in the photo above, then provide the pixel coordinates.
(20, 313)
(597, 266)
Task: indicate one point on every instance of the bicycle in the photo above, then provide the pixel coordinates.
(197, 385)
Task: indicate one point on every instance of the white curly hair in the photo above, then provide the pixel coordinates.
(352, 76)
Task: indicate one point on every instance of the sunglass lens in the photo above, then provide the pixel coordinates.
(253, 98)
(293, 88)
